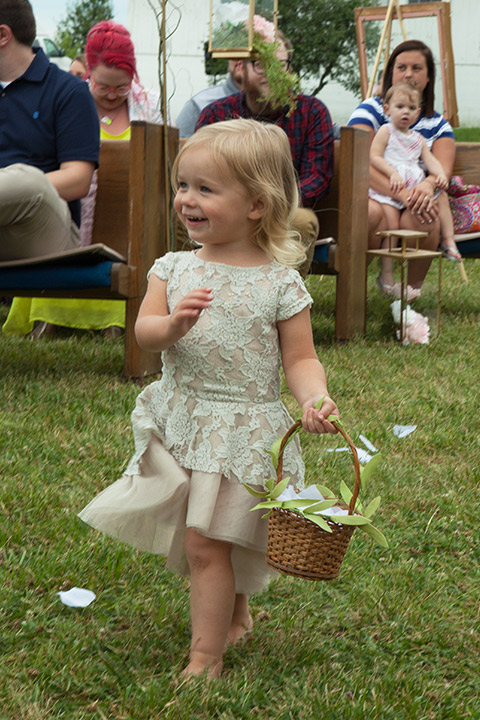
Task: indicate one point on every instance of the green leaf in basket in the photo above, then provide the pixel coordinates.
(325, 491)
(297, 504)
(318, 520)
(279, 488)
(322, 505)
(256, 493)
(367, 470)
(375, 534)
(267, 515)
(372, 507)
(270, 484)
(267, 505)
(345, 492)
(351, 519)
(275, 451)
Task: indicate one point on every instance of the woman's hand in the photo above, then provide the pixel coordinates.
(420, 201)
(316, 421)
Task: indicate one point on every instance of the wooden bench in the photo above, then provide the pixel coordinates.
(467, 164)
(343, 217)
(130, 231)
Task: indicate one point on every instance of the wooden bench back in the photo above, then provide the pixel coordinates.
(467, 162)
(327, 208)
(110, 225)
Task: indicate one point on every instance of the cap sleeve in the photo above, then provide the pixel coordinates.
(162, 267)
(293, 296)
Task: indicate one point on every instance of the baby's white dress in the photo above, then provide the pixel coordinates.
(402, 152)
(206, 426)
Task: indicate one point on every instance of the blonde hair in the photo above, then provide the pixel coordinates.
(411, 92)
(258, 156)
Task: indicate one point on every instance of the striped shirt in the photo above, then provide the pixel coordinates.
(371, 114)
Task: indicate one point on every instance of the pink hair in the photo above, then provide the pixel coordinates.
(110, 44)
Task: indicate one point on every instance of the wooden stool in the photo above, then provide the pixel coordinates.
(405, 254)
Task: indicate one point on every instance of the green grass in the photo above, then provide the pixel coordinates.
(396, 637)
(465, 134)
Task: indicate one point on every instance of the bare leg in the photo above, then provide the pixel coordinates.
(241, 620)
(417, 269)
(212, 602)
(376, 222)
(392, 219)
(448, 244)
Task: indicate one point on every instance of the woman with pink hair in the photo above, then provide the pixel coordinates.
(119, 99)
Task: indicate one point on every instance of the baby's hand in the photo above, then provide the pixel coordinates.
(396, 182)
(187, 311)
(316, 421)
(441, 181)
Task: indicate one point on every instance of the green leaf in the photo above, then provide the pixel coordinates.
(318, 520)
(275, 451)
(350, 519)
(319, 404)
(326, 492)
(367, 470)
(267, 504)
(345, 492)
(322, 505)
(375, 534)
(297, 504)
(256, 493)
(372, 507)
(270, 484)
(267, 515)
(279, 488)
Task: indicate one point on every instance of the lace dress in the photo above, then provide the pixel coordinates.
(204, 428)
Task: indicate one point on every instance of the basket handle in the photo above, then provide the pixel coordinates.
(356, 464)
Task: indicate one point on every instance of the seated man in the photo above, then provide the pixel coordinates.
(309, 129)
(49, 143)
(189, 114)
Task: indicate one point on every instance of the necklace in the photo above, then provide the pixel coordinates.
(107, 120)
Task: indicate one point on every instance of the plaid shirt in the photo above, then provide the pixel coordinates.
(309, 130)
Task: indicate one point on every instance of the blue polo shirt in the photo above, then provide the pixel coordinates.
(47, 117)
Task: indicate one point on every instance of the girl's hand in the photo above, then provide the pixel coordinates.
(316, 421)
(187, 311)
(442, 182)
(396, 182)
(419, 201)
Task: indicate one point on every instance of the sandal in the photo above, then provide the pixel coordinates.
(395, 290)
(450, 253)
(389, 290)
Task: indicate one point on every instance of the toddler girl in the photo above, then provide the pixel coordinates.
(397, 151)
(220, 314)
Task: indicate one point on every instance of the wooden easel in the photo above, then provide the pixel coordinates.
(386, 33)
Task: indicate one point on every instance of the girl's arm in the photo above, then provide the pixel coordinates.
(156, 329)
(377, 150)
(304, 373)
(434, 167)
(443, 150)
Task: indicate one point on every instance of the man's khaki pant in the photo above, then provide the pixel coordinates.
(305, 222)
(34, 220)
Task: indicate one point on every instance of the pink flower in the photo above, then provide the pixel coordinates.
(264, 28)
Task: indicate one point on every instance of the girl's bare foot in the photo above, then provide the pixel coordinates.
(238, 630)
(201, 665)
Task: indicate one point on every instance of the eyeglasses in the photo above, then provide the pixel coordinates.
(260, 70)
(121, 90)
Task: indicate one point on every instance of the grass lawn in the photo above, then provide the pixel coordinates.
(396, 637)
(465, 134)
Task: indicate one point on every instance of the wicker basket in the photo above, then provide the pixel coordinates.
(299, 547)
